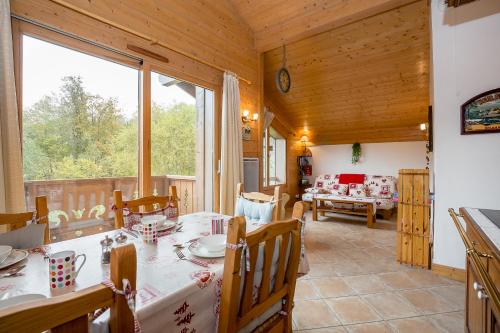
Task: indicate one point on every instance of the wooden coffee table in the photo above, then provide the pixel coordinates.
(319, 205)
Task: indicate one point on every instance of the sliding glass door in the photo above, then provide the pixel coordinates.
(182, 141)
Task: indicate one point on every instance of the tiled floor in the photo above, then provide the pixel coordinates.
(356, 285)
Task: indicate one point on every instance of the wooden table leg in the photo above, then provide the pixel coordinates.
(370, 217)
(315, 209)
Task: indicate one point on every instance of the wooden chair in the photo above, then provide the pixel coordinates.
(261, 197)
(236, 312)
(18, 220)
(69, 312)
(144, 204)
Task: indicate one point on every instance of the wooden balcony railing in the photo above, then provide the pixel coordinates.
(79, 207)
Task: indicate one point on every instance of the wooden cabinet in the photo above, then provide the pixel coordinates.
(482, 312)
(413, 225)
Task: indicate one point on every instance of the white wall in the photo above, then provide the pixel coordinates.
(466, 62)
(376, 158)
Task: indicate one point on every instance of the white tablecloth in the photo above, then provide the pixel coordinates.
(172, 295)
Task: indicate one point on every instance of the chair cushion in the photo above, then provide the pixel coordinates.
(24, 238)
(261, 213)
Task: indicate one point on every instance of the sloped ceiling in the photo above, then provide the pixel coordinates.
(278, 22)
(367, 81)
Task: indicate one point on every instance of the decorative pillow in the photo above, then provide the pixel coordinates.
(262, 213)
(339, 189)
(385, 192)
(357, 190)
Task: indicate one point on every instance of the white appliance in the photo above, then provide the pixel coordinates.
(251, 174)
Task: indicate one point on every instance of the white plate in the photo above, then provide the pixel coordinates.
(21, 299)
(199, 250)
(14, 257)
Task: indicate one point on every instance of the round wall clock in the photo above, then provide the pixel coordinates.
(283, 80)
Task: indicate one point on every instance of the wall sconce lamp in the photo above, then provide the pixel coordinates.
(304, 140)
(245, 118)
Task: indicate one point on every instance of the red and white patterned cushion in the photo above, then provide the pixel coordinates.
(339, 189)
(357, 190)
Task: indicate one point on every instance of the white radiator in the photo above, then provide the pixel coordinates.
(251, 174)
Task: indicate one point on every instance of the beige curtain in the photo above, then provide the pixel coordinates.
(268, 117)
(11, 169)
(231, 144)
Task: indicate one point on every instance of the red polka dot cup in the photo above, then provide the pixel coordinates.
(62, 269)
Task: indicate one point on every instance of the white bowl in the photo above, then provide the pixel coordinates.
(159, 219)
(213, 243)
(5, 251)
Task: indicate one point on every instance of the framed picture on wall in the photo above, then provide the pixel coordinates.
(481, 114)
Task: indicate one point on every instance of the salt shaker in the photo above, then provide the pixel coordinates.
(106, 244)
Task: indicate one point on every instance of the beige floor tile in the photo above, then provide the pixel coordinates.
(342, 248)
(454, 294)
(398, 280)
(414, 325)
(331, 287)
(346, 268)
(352, 310)
(425, 278)
(338, 329)
(391, 305)
(313, 314)
(452, 322)
(378, 327)
(321, 270)
(305, 290)
(366, 284)
(426, 302)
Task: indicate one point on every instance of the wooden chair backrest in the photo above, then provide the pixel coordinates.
(69, 312)
(236, 313)
(298, 210)
(144, 204)
(18, 220)
(262, 197)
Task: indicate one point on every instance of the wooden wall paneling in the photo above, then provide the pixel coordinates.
(366, 81)
(208, 31)
(295, 20)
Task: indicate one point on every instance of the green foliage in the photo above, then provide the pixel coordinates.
(74, 134)
(356, 152)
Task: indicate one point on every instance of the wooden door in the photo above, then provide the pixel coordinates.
(413, 228)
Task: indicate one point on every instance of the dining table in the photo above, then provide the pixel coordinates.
(173, 295)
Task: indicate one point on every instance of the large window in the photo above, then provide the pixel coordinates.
(274, 147)
(87, 131)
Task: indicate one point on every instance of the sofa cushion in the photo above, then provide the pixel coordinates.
(339, 189)
(381, 186)
(384, 203)
(357, 190)
(348, 178)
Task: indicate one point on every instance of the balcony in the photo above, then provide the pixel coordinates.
(81, 207)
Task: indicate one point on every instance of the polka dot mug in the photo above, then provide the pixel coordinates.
(62, 269)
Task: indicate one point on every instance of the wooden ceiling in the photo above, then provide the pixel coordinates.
(367, 81)
(278, 22)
